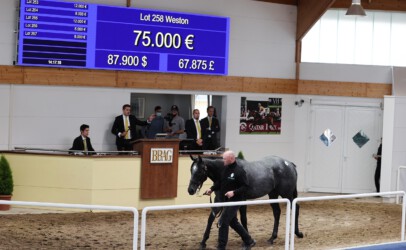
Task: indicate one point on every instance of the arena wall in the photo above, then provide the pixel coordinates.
(262, 44)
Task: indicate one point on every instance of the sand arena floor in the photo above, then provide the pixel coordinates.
(325, 224)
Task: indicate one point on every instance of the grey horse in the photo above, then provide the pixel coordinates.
(272, 176)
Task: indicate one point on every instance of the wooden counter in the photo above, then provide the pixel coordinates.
(95, 180)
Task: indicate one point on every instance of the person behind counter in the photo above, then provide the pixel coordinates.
(82, 142)
(124, 128)
(174, 124)
(157, 123)
(210, 128)
(194, 131)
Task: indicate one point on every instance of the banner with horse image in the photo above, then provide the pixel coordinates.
(261, 117)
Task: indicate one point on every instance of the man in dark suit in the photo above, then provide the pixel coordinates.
(82, 142)
(194, 131)
(124, 128)
(210, 128)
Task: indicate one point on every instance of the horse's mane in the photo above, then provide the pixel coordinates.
(215, 164)
(275, 164)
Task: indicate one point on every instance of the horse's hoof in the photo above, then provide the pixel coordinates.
(202, 246)
(270, 241)
(299, 234)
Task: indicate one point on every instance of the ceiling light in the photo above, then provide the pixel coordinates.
(356, 9)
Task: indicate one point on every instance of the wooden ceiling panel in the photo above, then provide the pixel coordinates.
(308, 13)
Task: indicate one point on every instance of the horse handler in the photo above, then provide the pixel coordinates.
(232, 185)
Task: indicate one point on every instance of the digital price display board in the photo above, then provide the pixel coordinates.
(80, 35)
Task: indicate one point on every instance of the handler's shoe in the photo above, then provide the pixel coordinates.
(248, 247)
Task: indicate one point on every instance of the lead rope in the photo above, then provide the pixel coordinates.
(211, 201)
(212, 211)
(198, 190)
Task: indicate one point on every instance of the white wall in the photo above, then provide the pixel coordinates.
(4, 116)
(8, 24)
(49, 117)
(394, 143)
(345, 72)
(262, 44)
(44, 116)
(262, 35)
(399, 81)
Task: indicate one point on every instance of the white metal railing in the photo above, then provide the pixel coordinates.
(75, 152)
(349, 196)
(82, 206)
(131, 152)
(398, 182)
(222, 204)
(290, 220)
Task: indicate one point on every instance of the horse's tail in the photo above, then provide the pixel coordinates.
(294, 168)
(295, 191)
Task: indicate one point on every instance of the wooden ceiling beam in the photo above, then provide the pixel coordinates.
(308, 13)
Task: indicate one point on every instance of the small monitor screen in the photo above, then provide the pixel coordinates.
(161, 135)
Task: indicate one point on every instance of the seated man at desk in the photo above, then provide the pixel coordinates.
(82, 142)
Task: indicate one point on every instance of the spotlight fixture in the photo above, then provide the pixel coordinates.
(356, 9)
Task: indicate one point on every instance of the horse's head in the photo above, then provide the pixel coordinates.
(198, 172)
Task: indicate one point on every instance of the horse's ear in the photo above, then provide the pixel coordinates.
(191, 157)
(200, 159)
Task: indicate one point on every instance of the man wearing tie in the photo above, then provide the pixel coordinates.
(210, 128)
(124, 128)
(82, 142)
(194, 131)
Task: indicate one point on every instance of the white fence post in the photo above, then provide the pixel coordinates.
(398, 183)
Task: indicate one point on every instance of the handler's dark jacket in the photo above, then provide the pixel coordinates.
(234, 179)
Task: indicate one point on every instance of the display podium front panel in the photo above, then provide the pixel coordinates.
(159, 170)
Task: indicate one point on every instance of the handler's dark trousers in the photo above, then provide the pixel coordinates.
(229, 218)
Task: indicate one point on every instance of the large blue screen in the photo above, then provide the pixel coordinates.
(81, 35)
